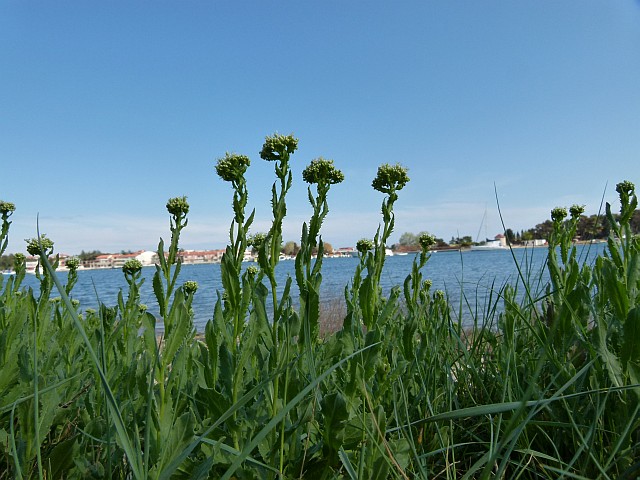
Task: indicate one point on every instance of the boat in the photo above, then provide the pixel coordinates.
(490, 245)
(498, 243)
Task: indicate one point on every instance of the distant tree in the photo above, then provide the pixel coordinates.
(635, 222)
(465, 241)
(528, 235)
(462, 241)
(511, 237)
(408, 239)
(6, 262)
(87, 256)
(592, 227)
(543, 230)
(440, 242)
(328, 249)
(290, 248)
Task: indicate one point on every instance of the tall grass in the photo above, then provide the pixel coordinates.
(542, 385)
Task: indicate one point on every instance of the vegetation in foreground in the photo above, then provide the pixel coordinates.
(545, 384)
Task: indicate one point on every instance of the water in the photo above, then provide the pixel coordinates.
(468, 273)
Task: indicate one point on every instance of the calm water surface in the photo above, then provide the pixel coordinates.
(470, 275)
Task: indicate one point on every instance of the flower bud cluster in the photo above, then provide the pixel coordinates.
(625, 188)
(426, 240)
(322, 171)
(190, 286)
(278, 146)
(390, 178)
(252, 270)
(7, 208)
(576, 211)
(231, 167)
(178, 206)
(364, 245)
(131, 267)
(256, 240)
(33, 245)
(558, 214)
(72, 263)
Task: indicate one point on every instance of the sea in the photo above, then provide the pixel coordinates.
(470, 279)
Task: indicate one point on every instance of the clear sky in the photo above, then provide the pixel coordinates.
(107, 109)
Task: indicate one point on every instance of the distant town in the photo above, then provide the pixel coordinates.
(589, 228)
(149, 258)
(407, 245)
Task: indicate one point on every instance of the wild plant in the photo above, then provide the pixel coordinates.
(322, 173)
(6, 210)
(389, 180)
(227, 351)
(533, 388)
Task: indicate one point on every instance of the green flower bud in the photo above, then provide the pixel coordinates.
(558, 214)
(439, 295)
(277, 146)
(427, 284)
(33, 245)
(18, 259)
(252, 270)
(256, 240)
(321, 170)
(131, 267)
(426, 240)
(232, 166)
(390, 178)
(7, 208)
(141, 308)
(576, 211)
(625, 188)
(364, 245)
(72, 263)
(190, 287)
(178, 206)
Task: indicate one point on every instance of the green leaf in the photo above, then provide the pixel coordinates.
(181, 326)
(158, 290)
(61, 458)
(631, 341)
(335, 414)
(180, 435)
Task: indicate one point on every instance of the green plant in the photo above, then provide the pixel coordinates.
(537, 385)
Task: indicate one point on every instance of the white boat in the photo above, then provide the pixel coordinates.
(490, 245)
(498, 243)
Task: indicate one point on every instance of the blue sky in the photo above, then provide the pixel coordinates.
(107, 109)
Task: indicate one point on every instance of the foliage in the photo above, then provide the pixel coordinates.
(88, 256)
(6, 262)
(542, 384)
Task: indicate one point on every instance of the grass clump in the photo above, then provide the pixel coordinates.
(540, 386)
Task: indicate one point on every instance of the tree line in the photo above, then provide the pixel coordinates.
(592, 227)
